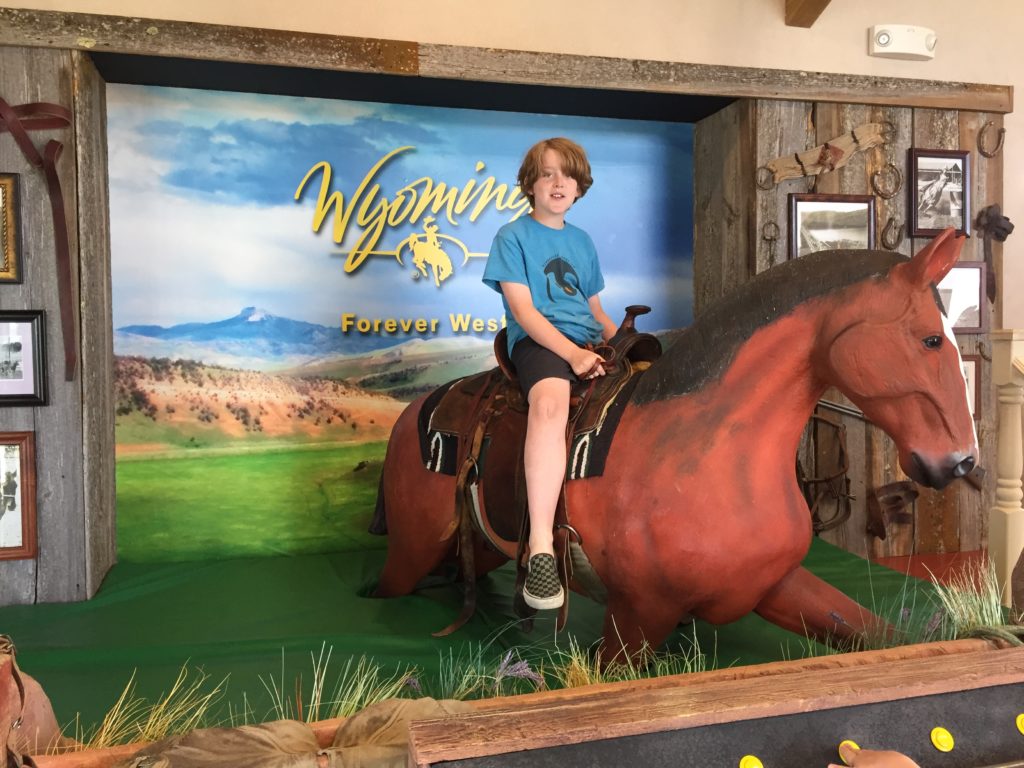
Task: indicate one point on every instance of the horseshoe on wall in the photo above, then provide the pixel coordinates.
(1000, 137)
(763, 178)
(880, 181)
(892, 235)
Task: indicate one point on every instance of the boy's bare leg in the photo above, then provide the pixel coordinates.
(544, 458)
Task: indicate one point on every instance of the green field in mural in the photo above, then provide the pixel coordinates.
(287, 500)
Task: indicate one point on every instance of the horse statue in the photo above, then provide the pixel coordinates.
(697, 512)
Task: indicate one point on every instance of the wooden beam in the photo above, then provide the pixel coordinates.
(633, 711)
(803, 13)
(213, 42)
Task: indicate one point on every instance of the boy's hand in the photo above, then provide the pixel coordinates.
(870, 758)
(586, 364)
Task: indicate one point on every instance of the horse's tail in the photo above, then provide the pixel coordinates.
(379, 523)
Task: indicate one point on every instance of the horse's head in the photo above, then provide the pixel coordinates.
(891, 350)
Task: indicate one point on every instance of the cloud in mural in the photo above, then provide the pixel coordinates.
(204, 221)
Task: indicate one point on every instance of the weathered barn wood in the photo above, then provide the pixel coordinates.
(58, 573)
(295, 49)
(803, 13)
(97, 341)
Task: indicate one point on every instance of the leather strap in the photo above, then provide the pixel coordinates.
(42, 116)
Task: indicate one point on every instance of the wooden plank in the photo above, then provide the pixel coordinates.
(723, 166)
(296, 49)
(783, 127)
(495, 65)
(634, 712)
(889, 161)
(986, 189)
(803, 13)
(18, 577)
(937, 527)
(883, 468)
(97, 340)
(213, 42)
(58, 573)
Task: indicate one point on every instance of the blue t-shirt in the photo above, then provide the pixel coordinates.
(559, 266)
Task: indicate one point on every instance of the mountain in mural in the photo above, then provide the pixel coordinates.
(253, 339)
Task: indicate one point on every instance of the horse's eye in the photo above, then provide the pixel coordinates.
(932, 342)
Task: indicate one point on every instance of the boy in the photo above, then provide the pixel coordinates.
(549, 278)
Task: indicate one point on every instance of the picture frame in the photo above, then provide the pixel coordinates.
(940, 191)
(22, 357)
(830, 222)
(10, 230)
(972, 375)
(962, 293)
(18, 540)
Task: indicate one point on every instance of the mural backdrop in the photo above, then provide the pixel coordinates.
(289, 272)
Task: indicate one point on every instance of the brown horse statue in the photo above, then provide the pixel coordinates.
(698, 512)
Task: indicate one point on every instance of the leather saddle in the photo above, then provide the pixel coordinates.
(477, 429)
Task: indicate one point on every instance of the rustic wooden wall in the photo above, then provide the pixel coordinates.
(74, 432)
(732, 214)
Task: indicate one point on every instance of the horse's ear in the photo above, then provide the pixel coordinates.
(936, 259)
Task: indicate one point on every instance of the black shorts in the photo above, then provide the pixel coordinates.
(534, 362)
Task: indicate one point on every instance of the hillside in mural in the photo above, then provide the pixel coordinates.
(164, 405)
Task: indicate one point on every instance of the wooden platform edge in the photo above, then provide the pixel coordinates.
(635, 710)
(325, 730)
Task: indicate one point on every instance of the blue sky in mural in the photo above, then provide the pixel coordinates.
(204, 220)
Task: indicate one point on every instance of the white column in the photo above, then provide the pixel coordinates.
(1006, 518)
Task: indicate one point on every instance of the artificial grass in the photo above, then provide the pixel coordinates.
(256, 618)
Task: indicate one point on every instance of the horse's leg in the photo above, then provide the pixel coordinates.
(806, 605)
(419, 506)
(632, 626)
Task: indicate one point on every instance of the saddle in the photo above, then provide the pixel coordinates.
(452, 414)
(475, 429)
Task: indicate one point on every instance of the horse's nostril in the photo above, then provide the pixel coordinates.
(964, 467)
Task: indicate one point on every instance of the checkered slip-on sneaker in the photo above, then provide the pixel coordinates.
(542, 589)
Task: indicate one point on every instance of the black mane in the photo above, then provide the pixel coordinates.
(702, 352)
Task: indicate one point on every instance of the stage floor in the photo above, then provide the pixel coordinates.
(255, 620)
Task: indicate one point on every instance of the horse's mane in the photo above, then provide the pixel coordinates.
(702, 351)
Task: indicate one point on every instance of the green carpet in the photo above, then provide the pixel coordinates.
(246, 618)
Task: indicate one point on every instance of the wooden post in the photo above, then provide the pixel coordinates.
(1006, 518)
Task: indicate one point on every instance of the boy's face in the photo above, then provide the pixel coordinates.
(553, 192)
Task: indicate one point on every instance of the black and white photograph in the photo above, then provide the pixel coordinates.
(10, 253)
(830, 222)
(22, 358)
(962, 294)
(940, 188)
(17, 496)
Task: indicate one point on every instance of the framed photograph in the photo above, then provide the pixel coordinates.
(972, 375)
(940, 191)
(830, 222)
(22, 357)
(962, 292)
(10, 237)
(17, 496)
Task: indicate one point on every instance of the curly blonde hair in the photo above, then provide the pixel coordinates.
(574, 164)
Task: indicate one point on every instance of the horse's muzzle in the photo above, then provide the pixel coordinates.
(938, 476)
